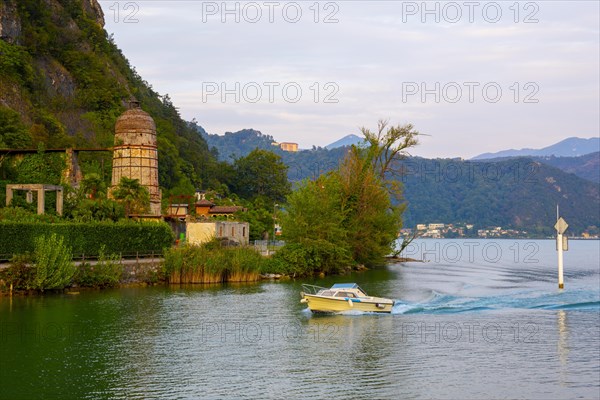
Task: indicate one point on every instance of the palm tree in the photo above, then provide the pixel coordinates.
(134, 197)
(93, 187)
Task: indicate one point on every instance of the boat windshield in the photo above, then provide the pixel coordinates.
(345, 294)
(325, 293)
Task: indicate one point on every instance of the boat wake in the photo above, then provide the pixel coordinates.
(440, 303)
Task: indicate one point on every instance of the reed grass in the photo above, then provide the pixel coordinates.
(212, 264)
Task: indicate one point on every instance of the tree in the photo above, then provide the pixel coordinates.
(93, 186)
(259, 217)
(372, 222)
(132, 195)
(347, 214)
(313, 225)
(261, 174)
(13, 133)
(385, 148)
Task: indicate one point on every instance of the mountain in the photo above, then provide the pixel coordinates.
(571, 147)
(586, 167)
(519, 193)
(63, 83)
(347, 140)
(238, 144)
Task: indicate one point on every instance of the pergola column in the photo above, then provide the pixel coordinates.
(9, 195)
(59, 201)
(41, 200)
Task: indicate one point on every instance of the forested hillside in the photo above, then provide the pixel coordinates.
(586, 167)
(63, 82)
(521, 193)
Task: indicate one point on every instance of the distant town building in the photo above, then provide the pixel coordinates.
(436, 226)
(287, 146)
(421, 227)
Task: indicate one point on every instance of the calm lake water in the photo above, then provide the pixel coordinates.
(481, 319)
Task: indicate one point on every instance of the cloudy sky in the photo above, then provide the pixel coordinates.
(474, 76)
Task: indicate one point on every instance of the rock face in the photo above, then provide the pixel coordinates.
(10, 23)
(93, 9)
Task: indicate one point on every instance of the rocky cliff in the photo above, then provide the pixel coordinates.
(63, 82)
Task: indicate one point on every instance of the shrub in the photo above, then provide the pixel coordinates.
(98, 210)
(106, 272)
(20, 274)
(54, 268)
(307, 258)
(88, 238)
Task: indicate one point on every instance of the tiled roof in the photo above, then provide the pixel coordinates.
(224, 209)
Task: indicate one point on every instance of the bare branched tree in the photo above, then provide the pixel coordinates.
(387, 146)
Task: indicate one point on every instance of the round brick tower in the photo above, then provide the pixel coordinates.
(135, 154)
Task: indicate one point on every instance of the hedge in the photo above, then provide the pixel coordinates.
(127, 238)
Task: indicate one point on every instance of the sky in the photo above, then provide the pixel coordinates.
(471, 76)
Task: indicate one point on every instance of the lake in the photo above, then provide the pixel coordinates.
(480, 319)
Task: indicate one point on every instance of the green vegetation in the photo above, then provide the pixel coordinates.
(260, 180)
(13, 133)
(86, 239)
(106, 272)
(346, 217)
(261, 174)
(49, 267)
(259, 215)
(515, 193)
(211, 263)
(67, 82)
(132, 195)
(233, 145)
(53, 265)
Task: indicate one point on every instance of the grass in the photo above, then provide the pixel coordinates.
(210, 263)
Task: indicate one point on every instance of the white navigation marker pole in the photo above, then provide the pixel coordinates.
(560, 226)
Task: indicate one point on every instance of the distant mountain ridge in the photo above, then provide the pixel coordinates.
(570, 147)
(513, 192)
(238, 144)
(347, 140)
(586, 166)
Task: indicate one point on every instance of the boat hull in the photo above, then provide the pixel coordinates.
(331, 304)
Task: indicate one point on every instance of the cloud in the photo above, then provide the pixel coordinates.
(371, 53)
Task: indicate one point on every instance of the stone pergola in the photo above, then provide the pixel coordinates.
(41, 190)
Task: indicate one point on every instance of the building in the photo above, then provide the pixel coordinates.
(287, 146)
(435, 226)
(177, 211)
(207, 209)
(199, 232)
(135, 153)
